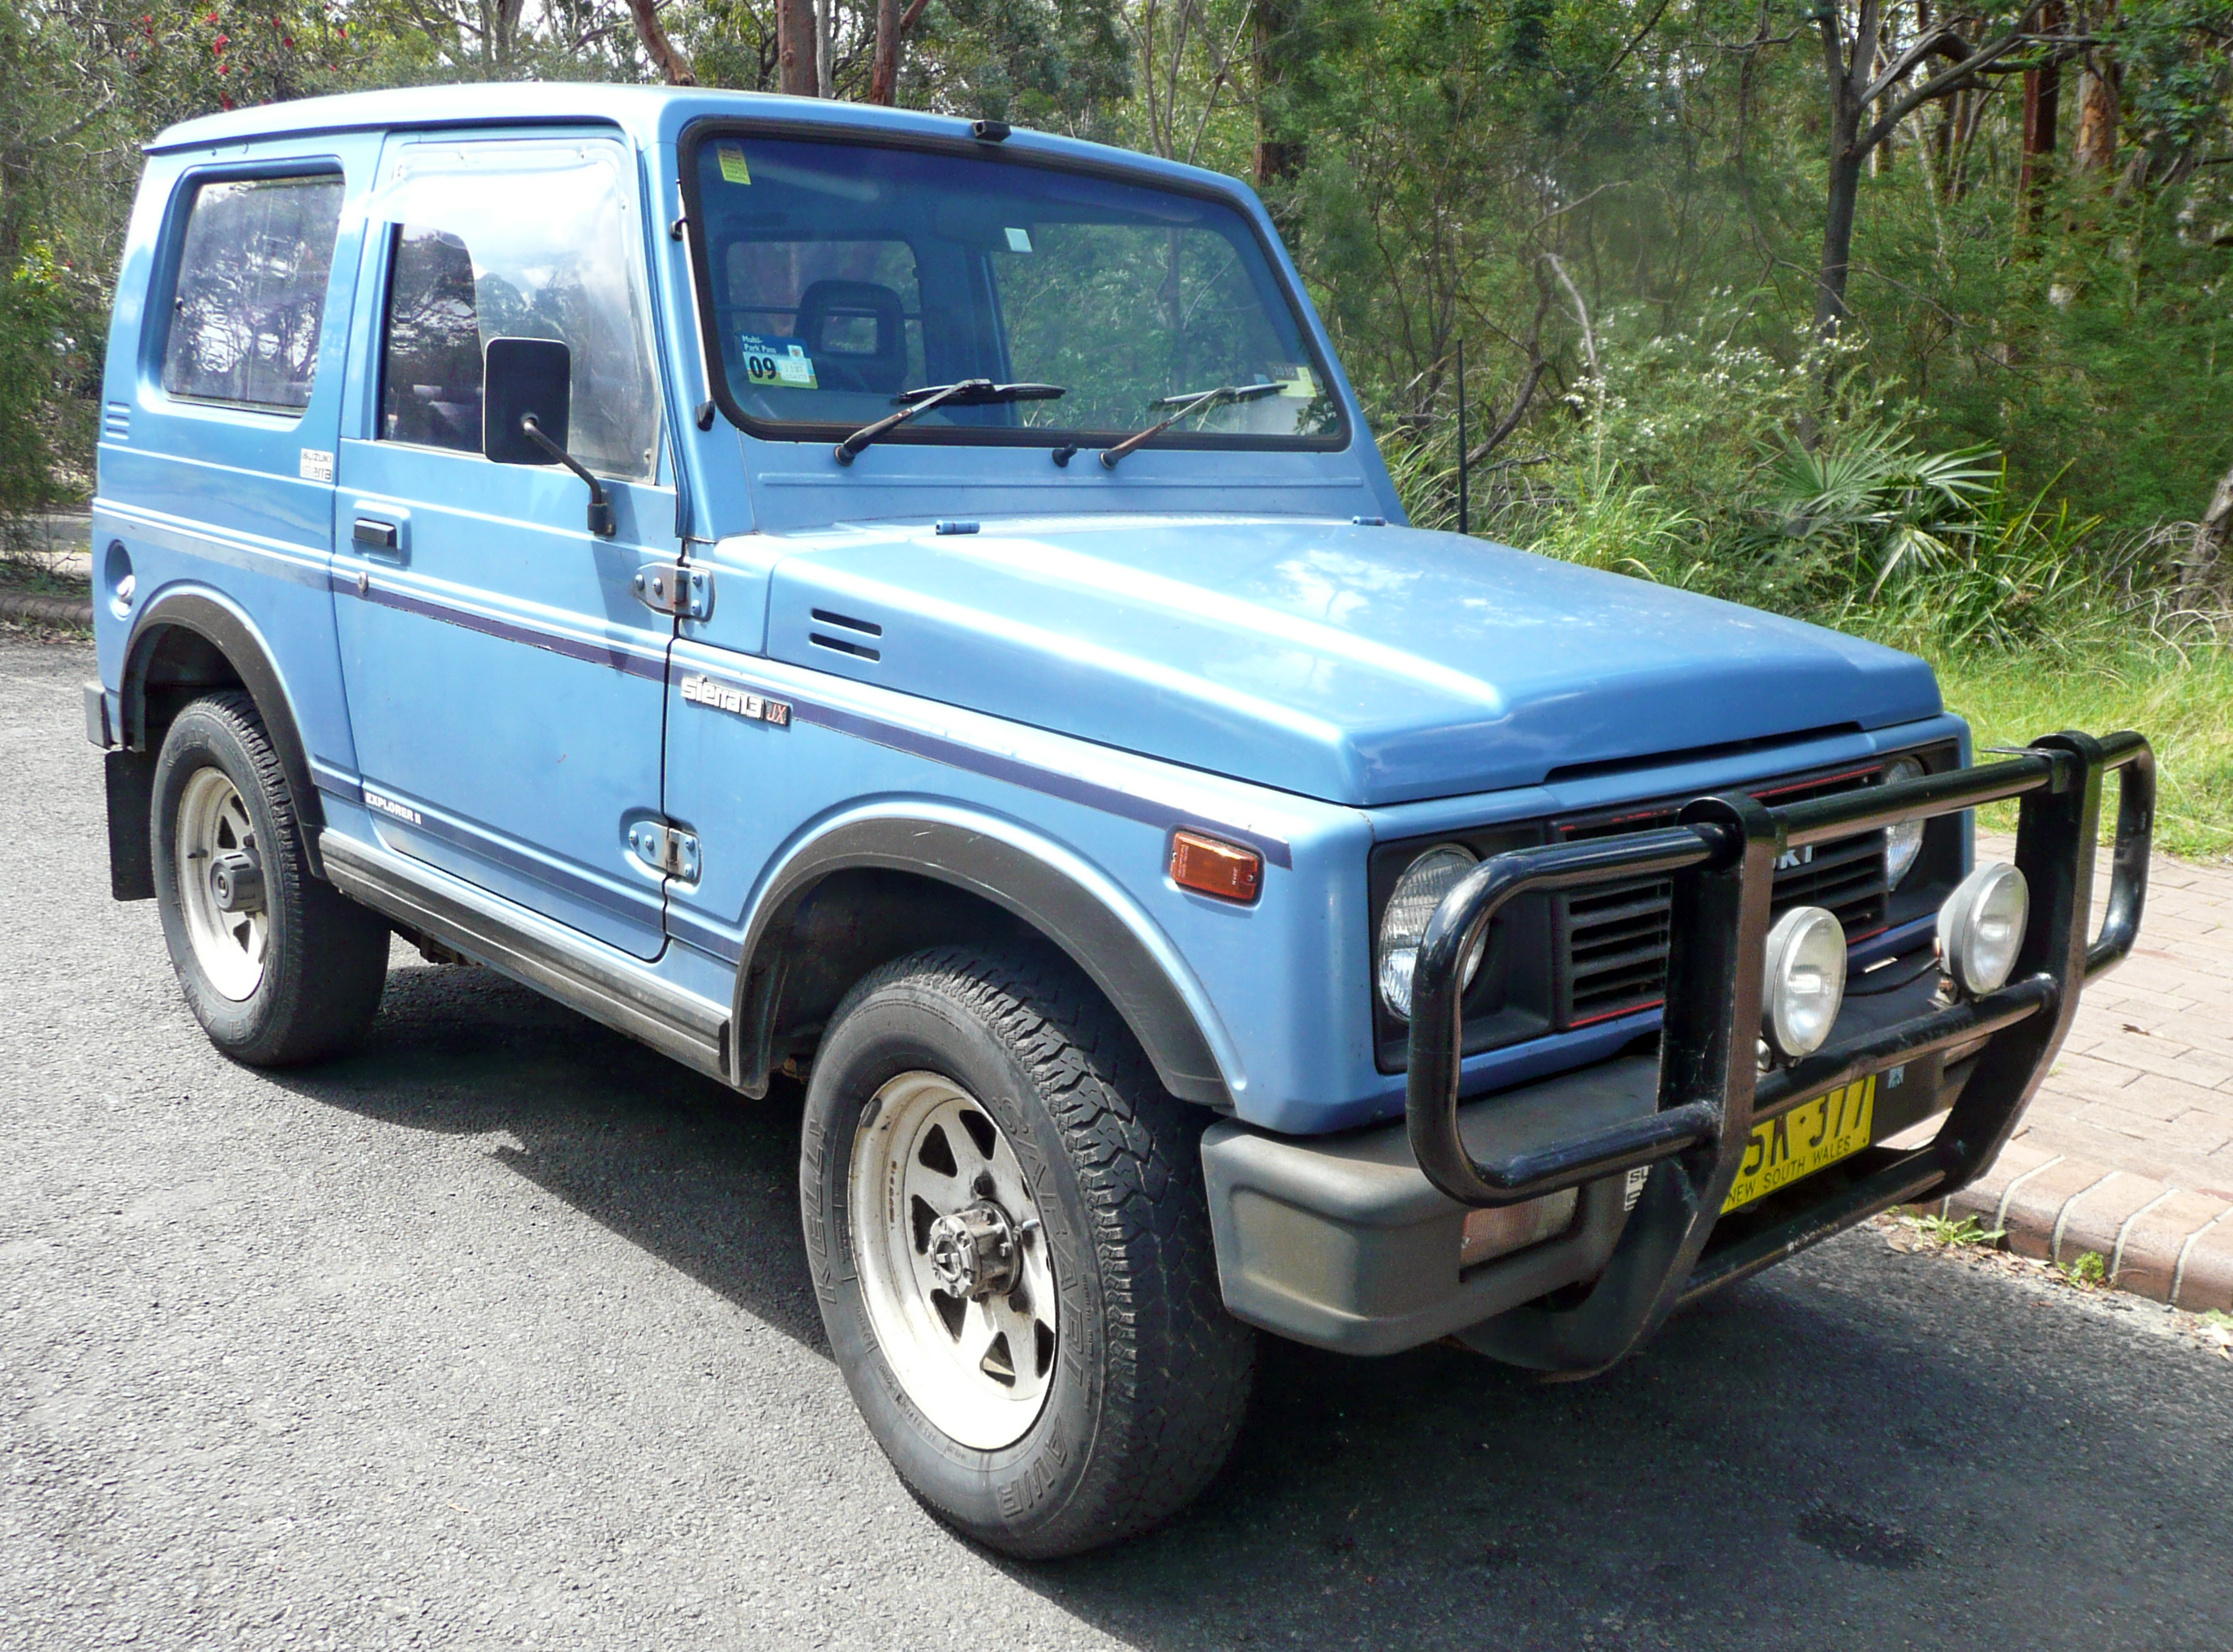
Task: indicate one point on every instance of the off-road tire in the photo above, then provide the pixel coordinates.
(1152, 1376)
(325, 959)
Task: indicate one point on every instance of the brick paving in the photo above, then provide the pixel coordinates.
(2127, 1150)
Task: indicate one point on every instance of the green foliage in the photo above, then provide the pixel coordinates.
(2177, 93)
(1968, 1233)
(36, 320)
(2177, 696)
(2088, 1270)
(1872, 504)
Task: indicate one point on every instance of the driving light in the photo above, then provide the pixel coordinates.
(1805, 981)
(1404, 925)
(1980, 927)
(1902, 842)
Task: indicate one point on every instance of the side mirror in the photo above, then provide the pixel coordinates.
(526, 400)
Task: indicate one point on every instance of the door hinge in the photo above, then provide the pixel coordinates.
(669, 587)
(665, 848)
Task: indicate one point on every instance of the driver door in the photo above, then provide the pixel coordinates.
(505, 684)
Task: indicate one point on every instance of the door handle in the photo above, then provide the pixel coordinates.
(376, 537)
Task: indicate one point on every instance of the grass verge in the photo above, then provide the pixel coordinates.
(2182, 701)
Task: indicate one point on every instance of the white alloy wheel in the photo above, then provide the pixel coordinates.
(953, 1262)
(220, 884)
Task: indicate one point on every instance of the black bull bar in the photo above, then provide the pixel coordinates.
(1721, 857)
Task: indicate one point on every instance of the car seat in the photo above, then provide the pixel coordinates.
(857, 333)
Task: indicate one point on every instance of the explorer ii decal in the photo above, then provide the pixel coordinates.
(389, 806)
(704, 691)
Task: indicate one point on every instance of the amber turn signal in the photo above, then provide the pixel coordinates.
(1208, 867)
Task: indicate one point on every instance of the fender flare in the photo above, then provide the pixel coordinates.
(979, 857)
(229, 631)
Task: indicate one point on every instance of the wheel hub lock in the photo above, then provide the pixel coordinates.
(973, 1250)
(237, 882)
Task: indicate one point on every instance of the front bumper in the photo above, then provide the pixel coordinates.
(1352, 1242)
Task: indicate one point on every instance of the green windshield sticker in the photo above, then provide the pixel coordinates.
(731, 156)
(1298, 384)
(1019, 240)
(780, 363)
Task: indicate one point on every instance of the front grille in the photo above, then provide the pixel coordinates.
(1610, 939)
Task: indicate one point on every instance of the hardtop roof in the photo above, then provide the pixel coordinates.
(652, 115)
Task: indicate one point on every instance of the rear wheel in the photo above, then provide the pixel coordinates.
(277, 966)
(1006, 1225)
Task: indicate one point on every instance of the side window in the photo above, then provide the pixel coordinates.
(251, 291)
(518, 240)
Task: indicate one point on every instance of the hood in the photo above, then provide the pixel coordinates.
(1359, 664)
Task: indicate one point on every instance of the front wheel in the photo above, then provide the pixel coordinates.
(1006, 1227)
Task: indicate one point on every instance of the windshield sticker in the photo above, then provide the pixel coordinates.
(782, 363)
(731, 156)
(1302, 386)
(1019, 240)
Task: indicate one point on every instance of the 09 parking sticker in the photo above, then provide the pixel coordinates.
(782, 364)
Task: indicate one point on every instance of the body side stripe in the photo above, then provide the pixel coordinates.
(1050, 781)
(612, 654)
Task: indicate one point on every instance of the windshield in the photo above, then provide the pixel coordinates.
(837, 276)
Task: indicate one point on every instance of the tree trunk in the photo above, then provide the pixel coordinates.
(794, 47)
(893, 26)
(673, 67)
(1278, 159)
(1847, 67)
(884, 69)
(1838, 228)
(2100, 102)
(2042, 105)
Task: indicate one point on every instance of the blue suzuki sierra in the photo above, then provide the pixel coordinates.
(914, 606)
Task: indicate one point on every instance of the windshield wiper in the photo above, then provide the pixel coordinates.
(970, 393)
(1187, 404)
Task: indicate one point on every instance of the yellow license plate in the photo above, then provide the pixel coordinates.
(1812, 1136)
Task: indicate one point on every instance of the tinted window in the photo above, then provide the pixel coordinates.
(250, 291)
(844, 273)
(517, 240)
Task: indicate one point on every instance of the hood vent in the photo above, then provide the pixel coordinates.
(857, 641)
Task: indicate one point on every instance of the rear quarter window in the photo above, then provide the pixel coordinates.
(249, 294)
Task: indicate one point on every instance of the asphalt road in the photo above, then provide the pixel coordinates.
(499, 1335)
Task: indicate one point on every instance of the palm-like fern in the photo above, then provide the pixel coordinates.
(1873, 497)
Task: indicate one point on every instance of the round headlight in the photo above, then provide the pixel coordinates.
(1404, 925)
(1902, 842)
(1980, 927)
(1805, 981)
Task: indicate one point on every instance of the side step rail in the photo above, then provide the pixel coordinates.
(547, 956)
